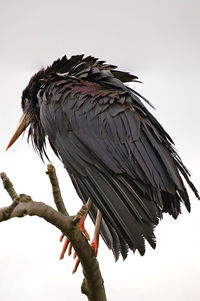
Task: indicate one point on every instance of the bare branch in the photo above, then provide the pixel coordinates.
(80, 214)
(5, 212)
(8, 186)
(23, 205)
(51, 172)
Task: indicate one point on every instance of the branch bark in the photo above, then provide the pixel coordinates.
(22, 205)
(58, 200)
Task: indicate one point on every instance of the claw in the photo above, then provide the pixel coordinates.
(66, 243)
(76, 266)
(61, 237)
(94, 245)
(70, 249)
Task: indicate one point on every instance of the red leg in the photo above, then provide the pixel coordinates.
(67, 243)
(95, 242)
(81, 226)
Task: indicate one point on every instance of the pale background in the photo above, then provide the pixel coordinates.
(159, 42)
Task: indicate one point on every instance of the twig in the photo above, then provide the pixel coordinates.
(51, 172)
(8, 186)
(80, 214)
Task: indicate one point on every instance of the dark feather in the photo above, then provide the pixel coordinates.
(115, 151)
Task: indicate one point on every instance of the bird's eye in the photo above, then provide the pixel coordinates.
(26, 104)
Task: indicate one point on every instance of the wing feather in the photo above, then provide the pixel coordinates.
(117, 154)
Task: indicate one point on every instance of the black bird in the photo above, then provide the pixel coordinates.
(116, 153)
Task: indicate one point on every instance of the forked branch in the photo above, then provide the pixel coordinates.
(22, 205)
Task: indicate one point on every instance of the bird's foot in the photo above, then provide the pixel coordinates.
(94, 245)
(82, 227)
(95, 242)
(67, 243)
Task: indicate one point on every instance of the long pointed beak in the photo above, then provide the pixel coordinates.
(21, 127)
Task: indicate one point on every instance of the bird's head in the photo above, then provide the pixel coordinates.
(88, 68)
(31, 114)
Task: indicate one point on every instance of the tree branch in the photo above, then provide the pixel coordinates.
(51, 172)
(23, 205)
(8, 186)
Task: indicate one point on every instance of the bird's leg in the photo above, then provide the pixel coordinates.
(95, 241)
(67, 243)
(82, 221)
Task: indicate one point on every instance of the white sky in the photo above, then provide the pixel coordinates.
(159, 42)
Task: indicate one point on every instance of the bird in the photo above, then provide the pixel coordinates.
(115, 151)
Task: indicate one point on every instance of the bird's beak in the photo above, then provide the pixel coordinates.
(23, 123)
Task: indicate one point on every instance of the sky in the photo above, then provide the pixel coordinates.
(159, 41)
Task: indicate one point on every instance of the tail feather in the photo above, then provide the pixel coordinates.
(108, 233)
(129, 218)
(114, 208)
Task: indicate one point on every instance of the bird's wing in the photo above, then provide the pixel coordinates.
(117, 154)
